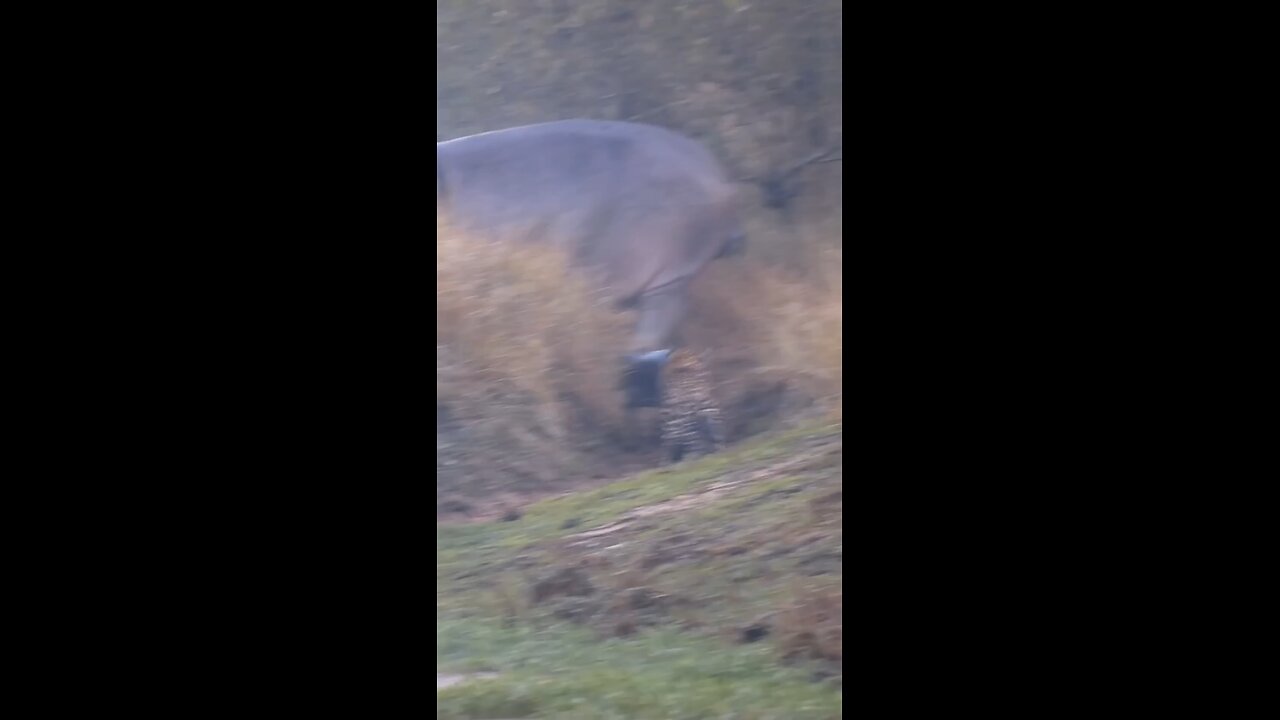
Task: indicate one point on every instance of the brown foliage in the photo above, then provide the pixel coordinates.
(527, 359)
(811, 626)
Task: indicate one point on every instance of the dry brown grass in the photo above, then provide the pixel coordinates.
(811, 625)
(526, 358)
(513, 319)
(778, 325)
(806, 331)
(528, 353)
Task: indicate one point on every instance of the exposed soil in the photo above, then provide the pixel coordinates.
(444, 681)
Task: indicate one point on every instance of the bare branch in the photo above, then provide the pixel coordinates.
(822, 156)
(660, 108)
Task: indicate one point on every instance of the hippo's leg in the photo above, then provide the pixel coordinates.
(642, 378)
(660, 312)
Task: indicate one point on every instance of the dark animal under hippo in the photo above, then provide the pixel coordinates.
(645, 206)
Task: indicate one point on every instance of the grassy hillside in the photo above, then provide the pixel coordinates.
(706, 590)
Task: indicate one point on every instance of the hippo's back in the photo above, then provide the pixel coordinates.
(566, 181)
(647, 206)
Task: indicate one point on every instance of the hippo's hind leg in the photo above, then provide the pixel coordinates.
(641, 379)
(660, 312)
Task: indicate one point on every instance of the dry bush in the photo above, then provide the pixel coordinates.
(528, 353)
(806, 330)
(518, 316)
(811, 625)
(775, 336)
(526, 358)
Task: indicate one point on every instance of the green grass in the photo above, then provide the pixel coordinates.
(590, 508)
(565, 672)
(766, 549)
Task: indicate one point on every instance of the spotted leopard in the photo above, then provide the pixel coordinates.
(691, 422)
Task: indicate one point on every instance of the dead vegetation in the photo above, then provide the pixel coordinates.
(527, 356)
(525, 366)
(810, 626)
(775, 336)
